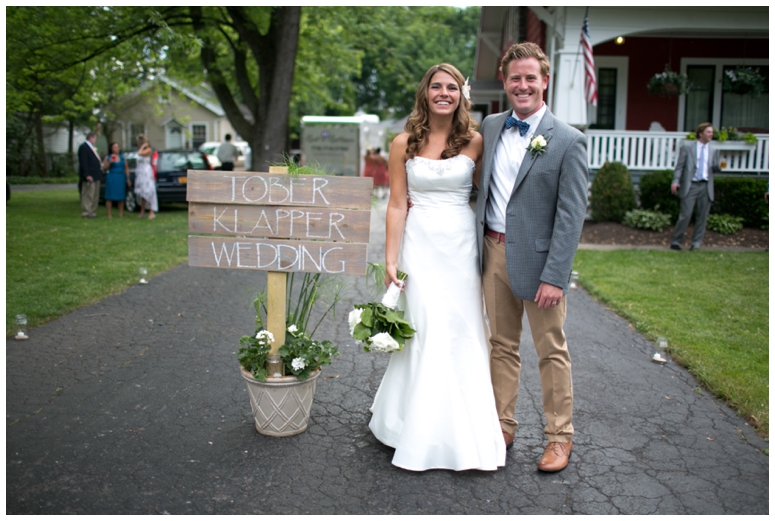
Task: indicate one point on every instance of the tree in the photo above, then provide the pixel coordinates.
(58, 69)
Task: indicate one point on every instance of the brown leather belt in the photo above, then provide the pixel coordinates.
(501, 237)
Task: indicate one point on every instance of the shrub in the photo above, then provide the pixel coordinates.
(655, 193)
(724, 223)
(612, 193)
(743, 197)
(646, 220)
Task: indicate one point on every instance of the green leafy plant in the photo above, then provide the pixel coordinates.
(745, 81)
(655, 193)
(669, 83)
(612, 193)
(742, 197)
(724, 223)
(646, 220)
(749, 137)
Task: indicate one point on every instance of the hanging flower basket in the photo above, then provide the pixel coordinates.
(745, 81)
(669, 83)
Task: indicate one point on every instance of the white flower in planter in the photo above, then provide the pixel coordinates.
(292, 328)
(298, 364)
(265, 336)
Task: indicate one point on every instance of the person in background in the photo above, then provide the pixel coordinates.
(227, 154)
(379, 172)
(90, 174)
(693, 182)
(116, 180)
(145, 183)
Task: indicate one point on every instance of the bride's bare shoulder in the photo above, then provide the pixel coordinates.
(401, 140)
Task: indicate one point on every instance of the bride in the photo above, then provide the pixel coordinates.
(435, 405)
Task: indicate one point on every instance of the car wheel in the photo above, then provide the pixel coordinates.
(130, 203)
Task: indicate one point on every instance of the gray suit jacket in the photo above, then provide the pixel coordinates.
(547, 207)
(686, 167)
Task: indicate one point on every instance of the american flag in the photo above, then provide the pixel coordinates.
(590, 84)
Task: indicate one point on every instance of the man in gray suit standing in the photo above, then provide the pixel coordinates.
(529, 213)
(693, 181)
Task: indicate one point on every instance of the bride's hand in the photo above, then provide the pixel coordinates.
(391, 275)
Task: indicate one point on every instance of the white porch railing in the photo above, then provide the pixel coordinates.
(645, 151)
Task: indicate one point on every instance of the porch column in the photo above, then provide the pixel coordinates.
(569, 103)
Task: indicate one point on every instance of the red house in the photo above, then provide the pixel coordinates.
(630, 46)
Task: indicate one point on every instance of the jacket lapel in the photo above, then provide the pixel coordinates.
(491, 138)
(544, 129)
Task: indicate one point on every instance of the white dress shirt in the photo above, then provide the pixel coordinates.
(704, 172)
(509, 154)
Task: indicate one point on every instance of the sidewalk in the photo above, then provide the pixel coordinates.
(135, 405)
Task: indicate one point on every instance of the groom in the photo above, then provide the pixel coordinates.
(529, 213)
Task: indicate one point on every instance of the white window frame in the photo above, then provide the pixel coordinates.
(206, 124)
(719, 63)
(622, 65)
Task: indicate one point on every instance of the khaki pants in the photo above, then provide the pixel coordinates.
(504, 312)
(90, 199)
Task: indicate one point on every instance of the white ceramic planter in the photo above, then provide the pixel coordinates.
(281, 406)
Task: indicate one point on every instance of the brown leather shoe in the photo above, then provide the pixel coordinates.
(555, 456)
(509, 439)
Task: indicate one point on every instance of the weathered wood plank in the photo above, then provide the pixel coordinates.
(277, 255)
(282, 222)
(279, 189)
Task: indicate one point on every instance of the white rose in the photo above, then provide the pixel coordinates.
(354, 318)
(384, 342)
(538, 141)
(298, 364)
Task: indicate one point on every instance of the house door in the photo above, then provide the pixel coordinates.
(174, 137)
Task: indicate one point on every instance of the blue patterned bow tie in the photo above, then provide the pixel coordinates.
(521, 125)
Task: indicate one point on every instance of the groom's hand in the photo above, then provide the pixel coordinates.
(548, 296)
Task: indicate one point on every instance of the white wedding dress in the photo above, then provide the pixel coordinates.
(435, 405)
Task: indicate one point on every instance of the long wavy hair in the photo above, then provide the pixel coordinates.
(418, 125)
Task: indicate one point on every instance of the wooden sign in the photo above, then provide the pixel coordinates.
(278, 222)
(279, 189)
(286, 222)
(274, 255)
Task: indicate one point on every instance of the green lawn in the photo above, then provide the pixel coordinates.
(57, 262)
(713, 308)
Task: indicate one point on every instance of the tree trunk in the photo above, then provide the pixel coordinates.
(41, 152)
(268, 99)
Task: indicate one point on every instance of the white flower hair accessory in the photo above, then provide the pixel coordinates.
(467, 90)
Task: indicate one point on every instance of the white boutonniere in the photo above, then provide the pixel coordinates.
(537, 145)
(467, 90)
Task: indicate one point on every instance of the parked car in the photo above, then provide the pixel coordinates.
(210, 148)
(170, 167)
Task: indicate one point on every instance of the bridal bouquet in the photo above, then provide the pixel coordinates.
(379, 325)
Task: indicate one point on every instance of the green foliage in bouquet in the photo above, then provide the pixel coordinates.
(378, 326)
(646, 220)
(724, 223)
(377, 318)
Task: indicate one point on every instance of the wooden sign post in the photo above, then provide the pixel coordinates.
(278, 223)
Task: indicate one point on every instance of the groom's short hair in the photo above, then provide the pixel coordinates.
(520, 51)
